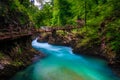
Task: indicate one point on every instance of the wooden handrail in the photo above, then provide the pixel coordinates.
(12, 33)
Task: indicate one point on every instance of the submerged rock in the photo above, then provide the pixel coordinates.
(1, 67)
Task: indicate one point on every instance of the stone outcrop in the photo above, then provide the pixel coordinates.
(15, 55)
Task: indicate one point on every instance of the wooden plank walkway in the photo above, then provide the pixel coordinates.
(17, 33)
(50, 29)
(13, 34)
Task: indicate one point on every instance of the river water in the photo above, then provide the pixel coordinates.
(61, 63)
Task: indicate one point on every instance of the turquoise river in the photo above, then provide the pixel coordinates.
(61, 63)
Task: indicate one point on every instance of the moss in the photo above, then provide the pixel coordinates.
(83, 42)
(17, 63)
(19, 50)
(1, 55)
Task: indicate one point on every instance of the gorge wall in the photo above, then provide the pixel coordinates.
(15, 55)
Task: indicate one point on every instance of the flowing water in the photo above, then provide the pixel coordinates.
(61, 64)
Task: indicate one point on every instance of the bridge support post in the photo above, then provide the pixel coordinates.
(53, 33)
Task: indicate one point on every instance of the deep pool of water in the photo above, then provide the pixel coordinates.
(62, 64)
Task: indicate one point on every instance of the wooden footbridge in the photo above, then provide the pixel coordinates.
(13, 33)
(54, 29)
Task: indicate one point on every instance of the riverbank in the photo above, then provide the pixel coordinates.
(83, 47)
(20, 53)
(15, 55)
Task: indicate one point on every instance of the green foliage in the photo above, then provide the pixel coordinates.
(13, 12)
(61, 13)
(97, 12)
(44, 16)
(113, 35)
(1, 55)
(20, 11)
(19, 50)
(17, 63)
(66, 12)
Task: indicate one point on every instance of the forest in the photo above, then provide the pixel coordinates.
(98, 21)
(101, 17)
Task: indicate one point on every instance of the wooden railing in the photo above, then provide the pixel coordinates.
(50, 29)
(12, 33)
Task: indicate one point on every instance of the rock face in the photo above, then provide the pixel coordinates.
(72, 41)
(15, 55)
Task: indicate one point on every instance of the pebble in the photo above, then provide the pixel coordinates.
(1, 67)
